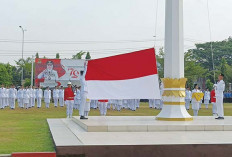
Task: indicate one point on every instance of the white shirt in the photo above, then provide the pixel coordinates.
(188, 94)
(2, 92)
(26, 93)
(207, 95)
(20, 93)
(7, 93)
(195, 91)
(220, 88)
(39, 93)
(56, 93)
(61, 93)
(12, 93)
(47, 94)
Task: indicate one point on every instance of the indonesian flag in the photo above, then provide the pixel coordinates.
(127, 76)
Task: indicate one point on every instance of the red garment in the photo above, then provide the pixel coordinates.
(212, 95)
(103, 100)
(68, 94)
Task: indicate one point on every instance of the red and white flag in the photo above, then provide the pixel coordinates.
(127, 76)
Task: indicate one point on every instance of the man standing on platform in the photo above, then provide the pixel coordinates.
(69, 99)
(83, 95)
(220, 87)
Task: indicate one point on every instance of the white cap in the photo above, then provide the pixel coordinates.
(69, 82)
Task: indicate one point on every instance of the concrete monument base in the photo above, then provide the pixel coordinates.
(141, 136)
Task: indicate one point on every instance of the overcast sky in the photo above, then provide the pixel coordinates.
(103, 27)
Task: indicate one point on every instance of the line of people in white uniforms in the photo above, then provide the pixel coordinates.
(28, 96)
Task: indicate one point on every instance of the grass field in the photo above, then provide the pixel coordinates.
(24, 130)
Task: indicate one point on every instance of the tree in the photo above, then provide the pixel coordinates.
(27, 82)
(223, 65)
(37, 55)
(88, 56)
(5, 77)
(160, 62)
(209, 84)
(57, 56)
(78, 55)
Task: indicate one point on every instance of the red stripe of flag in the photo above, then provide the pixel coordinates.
(122, 67)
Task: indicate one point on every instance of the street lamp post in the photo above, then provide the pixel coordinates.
(23, 30)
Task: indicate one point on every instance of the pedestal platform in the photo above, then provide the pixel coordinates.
(141, 136)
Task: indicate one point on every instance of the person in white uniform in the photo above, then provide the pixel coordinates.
(39, 95)
(47, 97)
(13, 96)
(77, 98)
(220, 88)
(26, 97)
(7, 96)
(151, 103)
(84, 93)
(33, 96)
(206, 98)
(87, 108)
(56, 96)
(195, 103)
(103, 107)
(61, 96)
(199, 88)
(20, 97)
(2, 93)
(188, 98)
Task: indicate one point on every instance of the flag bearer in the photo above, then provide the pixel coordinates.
(39, 95)
(195, 102)
(56, 96)
(220, 87)
(47, 97)
(206, 98)
(84, 92)
(69, 99)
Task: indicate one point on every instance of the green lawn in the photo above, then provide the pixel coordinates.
(24, 130)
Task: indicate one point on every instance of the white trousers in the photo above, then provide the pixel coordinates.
(206, 102)
(82, 105)
(187, 103)
(69, 104)
(219, 104)
(12, 103)
(214, 108)
(195, 112)
(1, 103)
(61, 101)
(21, 103)
(39, 102)
(86, 113)
(103, 108)
(32, 102)
(55, 102)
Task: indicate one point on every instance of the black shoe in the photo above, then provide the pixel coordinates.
(219, 118)
(83, 117)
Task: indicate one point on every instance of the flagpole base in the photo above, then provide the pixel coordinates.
(174, 101)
